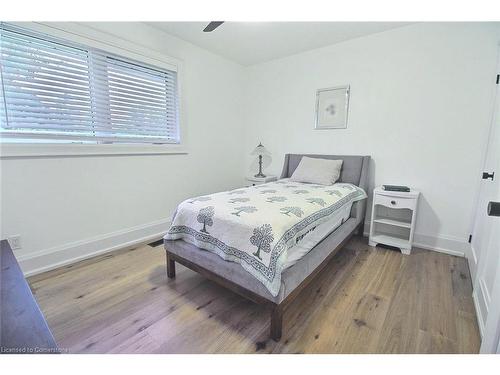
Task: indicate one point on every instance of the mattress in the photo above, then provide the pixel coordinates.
(311, 239)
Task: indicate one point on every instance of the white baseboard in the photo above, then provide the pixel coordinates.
(443, 244)
(48, 259)
(55, 257)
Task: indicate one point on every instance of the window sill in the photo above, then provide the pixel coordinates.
(34, 150)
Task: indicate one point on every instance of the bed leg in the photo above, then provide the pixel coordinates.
(170, 267)
(360, 230)
(276, 322)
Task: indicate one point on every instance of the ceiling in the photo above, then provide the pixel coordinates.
(249, 43)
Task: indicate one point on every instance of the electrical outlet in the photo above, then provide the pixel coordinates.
(15, 242)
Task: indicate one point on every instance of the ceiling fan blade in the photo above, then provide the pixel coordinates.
(212, 26)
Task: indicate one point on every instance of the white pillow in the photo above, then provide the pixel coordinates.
(317, 171)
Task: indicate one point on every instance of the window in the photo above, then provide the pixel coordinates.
(53, 90)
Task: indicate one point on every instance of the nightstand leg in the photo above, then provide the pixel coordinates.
(406, 251)
(372, 244)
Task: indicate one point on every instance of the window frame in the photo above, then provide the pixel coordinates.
(92, 38)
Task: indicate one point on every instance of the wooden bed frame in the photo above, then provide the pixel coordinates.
(277, 309)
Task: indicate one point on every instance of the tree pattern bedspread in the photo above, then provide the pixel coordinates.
(257, 225)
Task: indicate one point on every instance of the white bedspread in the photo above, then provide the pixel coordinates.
(256, 226)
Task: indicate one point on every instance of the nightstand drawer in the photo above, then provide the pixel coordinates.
(254, 181)
(395, 202)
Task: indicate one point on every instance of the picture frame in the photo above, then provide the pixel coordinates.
(332, 107)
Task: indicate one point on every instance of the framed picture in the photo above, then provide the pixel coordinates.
(332, 105)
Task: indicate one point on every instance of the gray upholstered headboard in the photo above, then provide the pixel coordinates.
(354, 168)
(354, 171)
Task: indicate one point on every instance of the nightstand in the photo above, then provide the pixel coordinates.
(254, 181)
(393, 218)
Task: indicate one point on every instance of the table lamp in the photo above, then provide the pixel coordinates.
(264, 157)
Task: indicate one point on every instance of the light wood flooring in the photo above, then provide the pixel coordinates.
(367, 300)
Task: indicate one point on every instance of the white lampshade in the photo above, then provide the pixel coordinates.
(260, 150)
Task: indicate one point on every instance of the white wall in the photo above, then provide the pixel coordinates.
(67, 207)
(420, 105)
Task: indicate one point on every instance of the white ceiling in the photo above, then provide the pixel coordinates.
(249, 43)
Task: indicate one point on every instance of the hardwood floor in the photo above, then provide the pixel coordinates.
(367, 300)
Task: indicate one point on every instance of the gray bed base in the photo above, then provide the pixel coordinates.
(295, 278)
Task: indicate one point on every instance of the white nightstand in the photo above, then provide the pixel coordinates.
(254, 181)
(393, 218)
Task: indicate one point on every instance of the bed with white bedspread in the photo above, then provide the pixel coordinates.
(267, 243)
(259, 226)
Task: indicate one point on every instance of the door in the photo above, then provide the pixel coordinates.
(490, 183)
(486, 242)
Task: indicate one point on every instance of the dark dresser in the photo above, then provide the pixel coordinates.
(23, 329)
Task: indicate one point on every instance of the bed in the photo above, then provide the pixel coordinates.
(276, 275)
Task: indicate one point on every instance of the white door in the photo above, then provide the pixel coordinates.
(489, 186)
(486, 242)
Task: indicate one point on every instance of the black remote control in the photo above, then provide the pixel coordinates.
(405, 189)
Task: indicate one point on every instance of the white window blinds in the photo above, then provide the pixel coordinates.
(51, 89)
